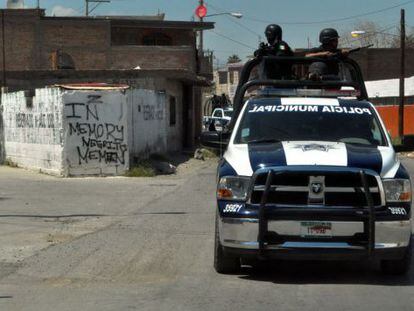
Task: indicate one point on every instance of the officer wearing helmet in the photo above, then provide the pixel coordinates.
(328, 38)
(275, 46)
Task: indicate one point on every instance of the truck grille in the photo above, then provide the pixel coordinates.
(342, 189)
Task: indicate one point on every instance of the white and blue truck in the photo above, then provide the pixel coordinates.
(308, 172)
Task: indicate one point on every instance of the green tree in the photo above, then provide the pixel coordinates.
(233, 59)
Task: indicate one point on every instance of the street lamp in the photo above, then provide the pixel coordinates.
(357, 33)
(360, 33)
(234, 14)
(201, 13)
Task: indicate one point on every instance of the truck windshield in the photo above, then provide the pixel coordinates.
(334, 123)
(228, 113)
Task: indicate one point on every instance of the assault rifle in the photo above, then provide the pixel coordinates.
(263, 50)
(360, 48)
(340, 55)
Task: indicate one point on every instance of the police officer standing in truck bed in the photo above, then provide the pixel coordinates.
(328, 38)
(275, 47)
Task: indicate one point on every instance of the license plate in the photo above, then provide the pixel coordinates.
(316, 229)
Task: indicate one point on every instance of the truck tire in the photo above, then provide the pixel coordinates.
(223, 263)
(398, 266)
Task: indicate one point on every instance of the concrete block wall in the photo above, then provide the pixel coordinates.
(86, 132)
(33, 129)
(147, 113)
(95, 132)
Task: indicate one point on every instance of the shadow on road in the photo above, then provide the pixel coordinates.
(161, 213)
(52, 216)
(309, 272)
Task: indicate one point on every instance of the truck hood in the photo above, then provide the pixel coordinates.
(247, 158)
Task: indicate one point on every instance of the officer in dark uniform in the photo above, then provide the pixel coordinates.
(216, 102)
(328, 38)
(275, 46)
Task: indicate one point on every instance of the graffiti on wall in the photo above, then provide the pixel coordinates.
(33, 127)
(98, 140)
(151, 113)
(30, 120)
(155, 111)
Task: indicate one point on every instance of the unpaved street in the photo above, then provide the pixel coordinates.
(147, 244)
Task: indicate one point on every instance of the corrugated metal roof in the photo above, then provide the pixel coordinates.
(93, 86)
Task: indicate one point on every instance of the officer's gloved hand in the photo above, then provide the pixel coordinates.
(261, 51)
(314, 76)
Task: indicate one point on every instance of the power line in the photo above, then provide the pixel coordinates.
(87, 10)
(231, 39)
(332, 20)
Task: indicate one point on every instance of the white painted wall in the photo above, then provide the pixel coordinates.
(86, 132)
(389, 88)
(147, 116)
(33, 132)
(95, 132)
(174, 132)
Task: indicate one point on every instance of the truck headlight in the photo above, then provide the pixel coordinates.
(397, 190)
(233, 188)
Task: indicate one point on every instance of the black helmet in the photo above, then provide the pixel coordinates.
(327, 35)
(273, 33)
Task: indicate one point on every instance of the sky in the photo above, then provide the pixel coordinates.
(301, 19)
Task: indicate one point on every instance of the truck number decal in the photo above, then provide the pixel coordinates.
(397, 210)
(232, 208)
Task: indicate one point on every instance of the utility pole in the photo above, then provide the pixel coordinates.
(87, 8)
(200, 47)
(38, 4)
(402, 77)
(4, 82)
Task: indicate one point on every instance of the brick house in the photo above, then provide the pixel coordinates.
(39, 50)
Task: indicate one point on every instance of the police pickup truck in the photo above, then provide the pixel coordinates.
(308, 172)
(219, 119)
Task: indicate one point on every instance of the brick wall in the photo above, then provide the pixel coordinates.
(380, 64)
(178, 38)
(86, 42)
(20, 38)
(156, 57)
(31, 39)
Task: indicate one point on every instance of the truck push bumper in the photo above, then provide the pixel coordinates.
(333, 237)
(239, 236)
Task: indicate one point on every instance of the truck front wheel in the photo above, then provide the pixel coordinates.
(223, 263)
(398, 266)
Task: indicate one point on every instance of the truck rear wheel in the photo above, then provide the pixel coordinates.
(223, 263)
(399, 266)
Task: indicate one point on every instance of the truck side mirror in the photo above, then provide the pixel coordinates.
(215, 140)
(407, 144)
